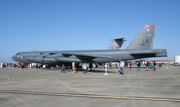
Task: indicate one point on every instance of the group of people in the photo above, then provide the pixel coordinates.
(75, 68)
(121, 70)
(3, 65)
(84, 67)
(149, 66)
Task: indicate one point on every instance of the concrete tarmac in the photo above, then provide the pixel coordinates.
(50, 88)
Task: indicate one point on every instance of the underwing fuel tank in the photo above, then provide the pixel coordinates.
(42, 59)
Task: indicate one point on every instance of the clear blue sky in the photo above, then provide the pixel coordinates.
(85, 24)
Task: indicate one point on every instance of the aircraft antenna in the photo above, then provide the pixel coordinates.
(34, 50)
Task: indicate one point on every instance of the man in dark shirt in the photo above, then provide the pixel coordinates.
(138, 66)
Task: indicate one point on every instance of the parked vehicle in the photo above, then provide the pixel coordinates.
(176, 64)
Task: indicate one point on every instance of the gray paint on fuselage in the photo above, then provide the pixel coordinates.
(107, 55)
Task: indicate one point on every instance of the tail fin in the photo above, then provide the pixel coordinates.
(116, 43)
(145, 39)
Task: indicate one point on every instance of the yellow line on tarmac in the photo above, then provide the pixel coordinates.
(92, 95)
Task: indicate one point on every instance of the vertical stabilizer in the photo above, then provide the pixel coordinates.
(116, 43)
(145, 39)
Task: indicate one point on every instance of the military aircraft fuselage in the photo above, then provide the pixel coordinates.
(79, 56)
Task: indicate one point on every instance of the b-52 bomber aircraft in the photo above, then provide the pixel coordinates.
(140, 47)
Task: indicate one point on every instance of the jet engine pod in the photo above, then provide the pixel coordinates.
(35, 59)
(69, 60)
(41, 59)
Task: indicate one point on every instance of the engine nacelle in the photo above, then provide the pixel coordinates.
(41, 59)
(63, 59)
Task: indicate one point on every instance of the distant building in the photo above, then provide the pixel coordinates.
(161, 61)
(177, 58)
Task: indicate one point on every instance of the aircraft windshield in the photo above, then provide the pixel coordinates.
(18, 53)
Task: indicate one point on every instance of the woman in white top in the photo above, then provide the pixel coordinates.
(84, 67)
(121, 71)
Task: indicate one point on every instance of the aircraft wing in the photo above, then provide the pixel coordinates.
(85, 56)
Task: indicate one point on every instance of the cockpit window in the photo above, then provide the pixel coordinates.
(18, 53)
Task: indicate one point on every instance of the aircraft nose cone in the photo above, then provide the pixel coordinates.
(13, 58)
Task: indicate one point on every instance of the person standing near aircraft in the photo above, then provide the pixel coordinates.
(90, 66)
(116, 64)
(138, 66)
(62, 68)
(73, 67)
(121, 71)
(84, 67)
(1, 64)
(130, 65)
(77, 67)
(22, 65)
(154, 66)
(110, 65)
(147, 65)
